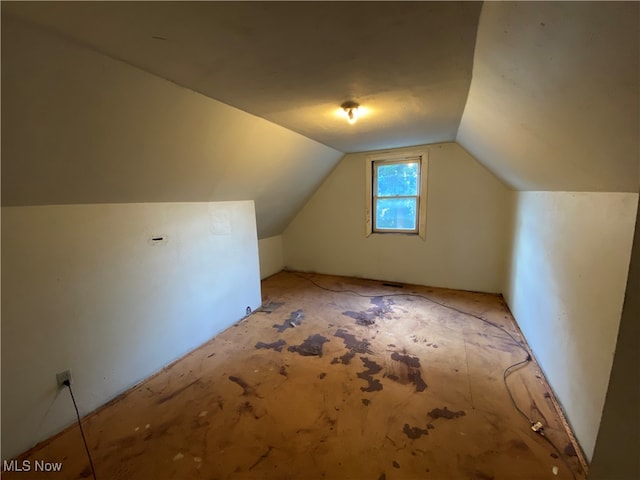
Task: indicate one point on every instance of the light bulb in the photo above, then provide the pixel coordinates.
(352, 115)
(351, 111)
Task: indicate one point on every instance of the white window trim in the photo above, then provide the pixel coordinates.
(395, 157)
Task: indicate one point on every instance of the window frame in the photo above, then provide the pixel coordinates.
(375, 197)
(372, 162)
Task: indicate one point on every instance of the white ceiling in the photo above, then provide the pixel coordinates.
(294, 63)
(553, 102)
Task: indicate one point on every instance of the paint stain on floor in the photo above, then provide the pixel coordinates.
(414, 432)
(277, 346)
(295, 320)
(352, 343)
(344, 359)
(312, 346)
(246, 389)
(410, 373)
(411, 362)
(368, 317)
(371, 369)
(445, 413)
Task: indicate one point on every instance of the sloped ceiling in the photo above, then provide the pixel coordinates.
(554, 102)
(294, 63)
(79, 127)
(552, 105)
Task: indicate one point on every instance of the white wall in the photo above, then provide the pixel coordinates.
(271, 255)
(566, 285)
(84, 287)
(466, 237)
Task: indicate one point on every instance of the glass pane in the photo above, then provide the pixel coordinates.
(397, 179)
(396, 213)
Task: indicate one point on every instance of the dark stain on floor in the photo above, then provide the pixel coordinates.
(322, 375)
(277, 346)
(246, 389)
(395, 464)
(570, 450)
(414, 432)
(413, 362)
(312, 346)
(368, 317)
(283, 371)
(175, 393)
(294, 320)
(445, 413)
(366, 402)
(413, 373)
(423, 340)
(382, 304)
(352, 343)
(416, 378)
(362, 318)
(372, 368)
(344, 359)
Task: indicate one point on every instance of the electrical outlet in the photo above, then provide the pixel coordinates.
(62, 377)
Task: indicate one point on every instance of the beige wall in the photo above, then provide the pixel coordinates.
(85, 288)
(271, 255)
(466, 236)
(566, 284)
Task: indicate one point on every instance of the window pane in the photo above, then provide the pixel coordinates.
(397, 179)
(396, 213)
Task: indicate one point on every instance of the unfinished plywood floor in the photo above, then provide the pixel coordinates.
(332, 385)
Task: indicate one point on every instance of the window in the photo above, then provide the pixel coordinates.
(396, 194)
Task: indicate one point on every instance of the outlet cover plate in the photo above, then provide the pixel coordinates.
(62, 376)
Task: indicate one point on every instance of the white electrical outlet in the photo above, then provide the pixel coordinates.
(63, 377)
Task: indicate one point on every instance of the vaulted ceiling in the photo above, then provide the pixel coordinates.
(294, 63)
(544, 94)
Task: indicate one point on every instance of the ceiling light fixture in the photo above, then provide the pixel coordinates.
(351, 109)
